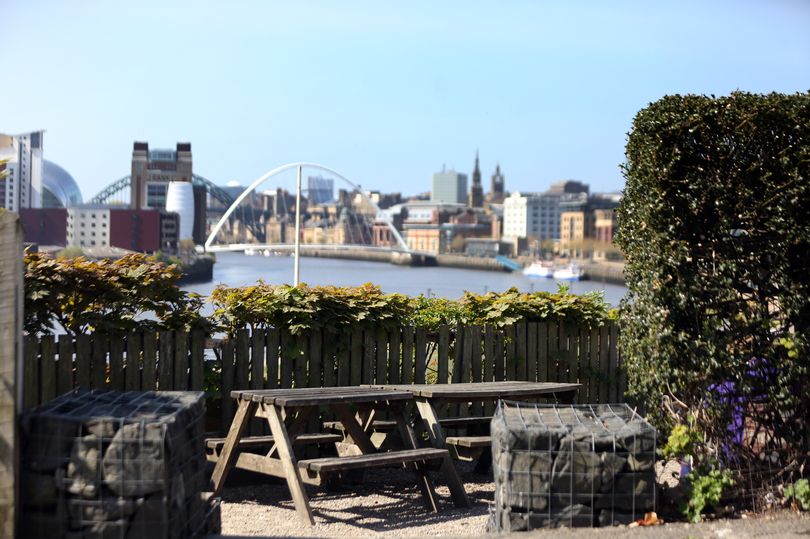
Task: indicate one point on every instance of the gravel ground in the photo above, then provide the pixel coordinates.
(389, 503)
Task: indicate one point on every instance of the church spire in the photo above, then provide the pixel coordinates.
(476, 197)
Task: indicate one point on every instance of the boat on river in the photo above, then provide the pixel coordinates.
(538, 268)
(572, 272)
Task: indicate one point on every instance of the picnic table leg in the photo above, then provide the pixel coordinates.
(227, 456)
(436, 436)
(410, 442)
(355, 431)
(288, 463)
(431, 420)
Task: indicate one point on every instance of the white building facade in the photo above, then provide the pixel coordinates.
(536, 215)
(88, 227)
(22, 185)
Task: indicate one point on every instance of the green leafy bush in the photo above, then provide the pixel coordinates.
(304, 307)
(80, 295)
(800, 493)
(716, 233)
(330, 307)
(704, 490)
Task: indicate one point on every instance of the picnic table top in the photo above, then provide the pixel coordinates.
(317, 396)
(480, 390)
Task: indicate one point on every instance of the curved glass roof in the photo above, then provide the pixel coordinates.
(60, 190)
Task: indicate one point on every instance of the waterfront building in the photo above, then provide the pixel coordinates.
(578, 223)
(146, 231)
(537, 215)
(152, 173)
(59, 189)
(153, 170)
(449, 186)
(23, 183)
(44, 226)
(476, 197)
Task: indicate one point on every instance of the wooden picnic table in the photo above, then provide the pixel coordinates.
(287, 412)
(432, 401)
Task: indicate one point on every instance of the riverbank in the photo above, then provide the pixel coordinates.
(598, 271)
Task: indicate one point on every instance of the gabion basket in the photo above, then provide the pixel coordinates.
(570, 465)
(115, 465)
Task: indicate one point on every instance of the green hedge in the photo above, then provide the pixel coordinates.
(141, 292)
(333, 308)
(715, 227)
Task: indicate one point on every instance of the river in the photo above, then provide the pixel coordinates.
(237, 269)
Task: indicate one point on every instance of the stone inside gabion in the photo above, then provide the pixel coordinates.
(570, 465)
(114, 465)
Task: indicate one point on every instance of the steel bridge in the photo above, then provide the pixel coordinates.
(122, 186)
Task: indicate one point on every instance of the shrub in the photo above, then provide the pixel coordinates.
(715, 229)
(80, 295)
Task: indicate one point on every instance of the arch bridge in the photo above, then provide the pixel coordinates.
(122, 186)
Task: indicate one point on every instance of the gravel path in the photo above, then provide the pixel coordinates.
(388, 503)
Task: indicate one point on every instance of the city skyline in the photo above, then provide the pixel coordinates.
(385, 96)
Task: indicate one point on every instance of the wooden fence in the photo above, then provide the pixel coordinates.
(266, 359)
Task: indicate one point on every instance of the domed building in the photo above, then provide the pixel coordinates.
(59, 189)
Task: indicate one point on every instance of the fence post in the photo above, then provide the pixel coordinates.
(11, 324)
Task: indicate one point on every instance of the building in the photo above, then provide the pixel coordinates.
(578, 223)
(23, 183)
(604, 225)
(153, 170)
(449, 186)
(537, 215)
(441, 228)
(44, 226)
(146, 231)
(497, 186)
(476, 198)
(320, 190)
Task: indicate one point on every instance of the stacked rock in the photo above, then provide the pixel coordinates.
(575, 465)
(106, 464)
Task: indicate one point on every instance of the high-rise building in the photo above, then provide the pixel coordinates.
(496, 191)
(538, 214)
(476, 198)
(320, 190)
(153, 170)
(449, 186)
(22, 185)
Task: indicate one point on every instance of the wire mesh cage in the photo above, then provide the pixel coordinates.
(115, 465)
(570, 465)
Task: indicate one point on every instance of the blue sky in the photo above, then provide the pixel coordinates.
(384, 93)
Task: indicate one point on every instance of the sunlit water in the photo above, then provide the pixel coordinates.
(236, 269)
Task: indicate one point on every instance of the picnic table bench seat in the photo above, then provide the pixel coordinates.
(379, 460)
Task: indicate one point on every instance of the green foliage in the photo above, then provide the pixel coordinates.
(80, 295)
(300, 308)
(704, 490)
(716, 233)
(800, 492)
(503, 309)
(335, 308)
(681, 443)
